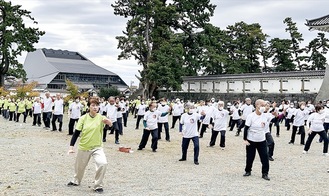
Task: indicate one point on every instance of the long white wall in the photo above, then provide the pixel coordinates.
(271, 85)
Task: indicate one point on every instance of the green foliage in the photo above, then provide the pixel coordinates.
(15, 38)
(108, 92)
(318, 47)
(72, 89)
(160, 35)
(281, 52)
(26, 90)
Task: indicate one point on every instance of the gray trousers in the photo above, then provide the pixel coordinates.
(82, 160)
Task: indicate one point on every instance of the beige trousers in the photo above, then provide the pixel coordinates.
(82, 160)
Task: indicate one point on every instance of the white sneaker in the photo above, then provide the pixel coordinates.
(325, 154)
(305, 152)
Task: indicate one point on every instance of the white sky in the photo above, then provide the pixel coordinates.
(90, 27)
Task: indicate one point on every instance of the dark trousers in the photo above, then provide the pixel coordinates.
(326, 127)
(120, 128)
(174, 119)
(276, 123)
(139, 117)
(199, 125)
(270, 144)
(186, 143)
(235, 122)
(71, 125)
(302, 134)
(213, 139)
(310, 138)
(29, 112)
(203, 129)
(11, 116)
(166, 127)
(46, 116)
(145, 137)
(242, 124)
(261, 148)
(125, 118)
(230, 121)
(58, 118)
(113, 129)
(19, 114)
(288, 124)
(5, 113)
(37, 119)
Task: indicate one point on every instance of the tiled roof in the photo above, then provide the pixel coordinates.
(288, 74)
(321, 24)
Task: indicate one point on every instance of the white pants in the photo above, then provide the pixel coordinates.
(82, 160)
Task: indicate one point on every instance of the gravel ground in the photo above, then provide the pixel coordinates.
(34, 161)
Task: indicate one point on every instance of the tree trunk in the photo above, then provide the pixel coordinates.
(2, 80)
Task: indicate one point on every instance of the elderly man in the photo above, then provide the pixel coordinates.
(47, 110)
(255, 139)
(58, 112)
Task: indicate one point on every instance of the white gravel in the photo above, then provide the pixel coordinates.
(34, 161)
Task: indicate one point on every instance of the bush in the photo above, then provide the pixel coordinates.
(108, 92)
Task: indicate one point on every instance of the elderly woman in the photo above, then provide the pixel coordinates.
(91, 127)
(189, 129)
(316, 120)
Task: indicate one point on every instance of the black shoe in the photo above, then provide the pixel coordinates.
(99, 190)
(277, 135)
(104, 140)
(247, 174)
(70, 134)
(139, 148)
(237, 134)
(154, 150)
(168, 140)
(200, 136)
(270, 158)
(60, 130)
(72, 184)
(117, 142)
(196, 162)
(298, 133)
(291, 143)
(182, 160)
(265, 177)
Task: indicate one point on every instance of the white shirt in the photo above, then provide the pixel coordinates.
(58, 107)
(235, 113)
(269, 117)
(152, 119)
(163, 109)
(178, 109)
(190, 125)
(257, 127)
(326, 111)
(47, 104)
(102, 107)
(220, 118)
(246, 110)
(36, 108)
(299, 119)
(141, 109)
(290, 112)
(208, 110)
(316, 121)
(75, 110)
(119, 113)
(111, 112)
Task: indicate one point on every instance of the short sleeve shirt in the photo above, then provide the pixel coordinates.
(91, 131)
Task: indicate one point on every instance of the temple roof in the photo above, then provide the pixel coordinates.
(320, 24)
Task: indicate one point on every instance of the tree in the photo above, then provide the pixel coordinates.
(153, 26)
(15, 38)
(281, 51)
(24, 90)
(108, 92)
(318, 47)
(296, 38)
(72, 89)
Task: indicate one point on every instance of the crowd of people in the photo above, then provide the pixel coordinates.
(91, 119)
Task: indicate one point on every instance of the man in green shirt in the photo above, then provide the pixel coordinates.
(5, 107)
(90, 126)
(12, 109)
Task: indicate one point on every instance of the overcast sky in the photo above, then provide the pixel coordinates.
(90, 27)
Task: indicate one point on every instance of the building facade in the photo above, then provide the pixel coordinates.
(51, 68)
